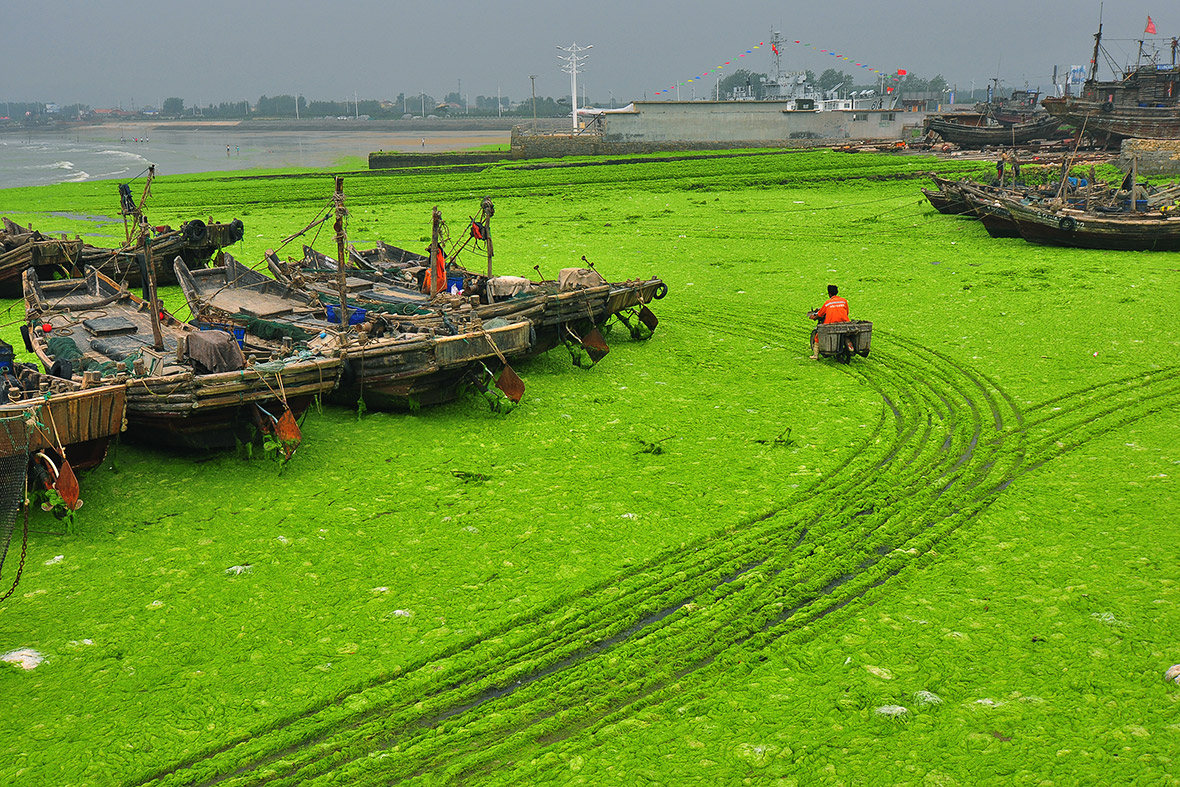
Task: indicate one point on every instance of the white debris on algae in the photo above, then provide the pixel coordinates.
(25, 658)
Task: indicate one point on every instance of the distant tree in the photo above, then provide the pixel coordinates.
(742, 78)
(173, 107)
(831, 78)
(327, 109)
(279, 106)
(453, 98)
(937, 84)
(546, 108)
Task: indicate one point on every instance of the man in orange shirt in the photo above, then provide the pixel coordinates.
(835, 309)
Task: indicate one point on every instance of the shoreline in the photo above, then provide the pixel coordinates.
(271, 125)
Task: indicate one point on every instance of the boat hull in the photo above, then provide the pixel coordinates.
(1090, 231)
(82, 422)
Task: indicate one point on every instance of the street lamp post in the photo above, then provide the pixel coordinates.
(533, 80)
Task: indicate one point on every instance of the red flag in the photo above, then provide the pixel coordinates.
(1150, 27)
(775, 46)
(901, 72)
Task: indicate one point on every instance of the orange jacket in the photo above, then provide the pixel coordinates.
(835, 309)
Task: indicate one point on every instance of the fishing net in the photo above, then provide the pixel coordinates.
(403, 309)
(266, 329)
(14, 464)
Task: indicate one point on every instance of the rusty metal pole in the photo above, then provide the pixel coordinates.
(341, 278)
(153, 300)
(435, 285)
(488, 211)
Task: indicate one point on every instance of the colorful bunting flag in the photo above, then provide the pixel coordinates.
(901, 72)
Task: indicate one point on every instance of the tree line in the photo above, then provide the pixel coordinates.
(752, 82)
(415, 104)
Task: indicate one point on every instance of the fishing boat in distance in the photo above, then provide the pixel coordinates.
(1143, 101)
(49, 254)
(976, 132)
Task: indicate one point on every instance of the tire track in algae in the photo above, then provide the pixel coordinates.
(948, 442)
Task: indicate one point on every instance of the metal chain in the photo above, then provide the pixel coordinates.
(24, 548)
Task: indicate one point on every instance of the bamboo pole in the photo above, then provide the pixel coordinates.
(435, 219)
(488, 211)
(157, 336)
(341, 277)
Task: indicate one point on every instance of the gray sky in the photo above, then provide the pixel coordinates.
(101, 52)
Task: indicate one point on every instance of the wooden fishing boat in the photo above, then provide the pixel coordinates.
(185, 387)
(948, 198)
(1140, 102)
(21, 248)
(565, 310)
(989, 210)
(80, 417)
(983, 135)
(389, 360)
(1018, 107)
(1064, 225)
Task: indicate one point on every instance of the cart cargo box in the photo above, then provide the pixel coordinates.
(831, 337)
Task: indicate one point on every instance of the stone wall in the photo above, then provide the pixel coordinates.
(529, 146)
(1155, 156)
(751, 123)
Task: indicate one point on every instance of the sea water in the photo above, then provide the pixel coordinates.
(122, 152)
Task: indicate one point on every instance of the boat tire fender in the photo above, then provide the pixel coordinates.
(195, 231)
(24, 334)
(347, 372)
(1067, 223)
(62, 368)
(660, 292)
(1107, 106)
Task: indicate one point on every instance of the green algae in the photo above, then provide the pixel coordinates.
(998, 470)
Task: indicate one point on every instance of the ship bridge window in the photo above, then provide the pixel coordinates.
(859, 116)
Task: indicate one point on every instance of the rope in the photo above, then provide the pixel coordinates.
(314, 223)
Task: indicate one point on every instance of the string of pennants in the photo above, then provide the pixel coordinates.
(716, 70)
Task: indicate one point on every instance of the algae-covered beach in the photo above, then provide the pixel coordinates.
(707, 559)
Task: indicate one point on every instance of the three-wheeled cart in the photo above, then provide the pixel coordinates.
(842, 340)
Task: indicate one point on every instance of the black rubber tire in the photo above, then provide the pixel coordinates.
(347, 372)
(237, 231)
(195, 231)
(62, 368)
(1067, 223)
(24, 334)
(660, 292)
(1107, 106)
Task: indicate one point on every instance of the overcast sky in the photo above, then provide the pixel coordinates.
(105, 52)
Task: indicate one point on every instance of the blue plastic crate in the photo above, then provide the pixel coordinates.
(355, 316)
(236, 331)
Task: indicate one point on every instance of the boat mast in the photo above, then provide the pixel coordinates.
(488, 210)
(341, 277)
(1097, 43)
(153, 300)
